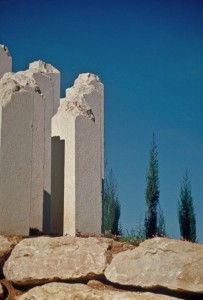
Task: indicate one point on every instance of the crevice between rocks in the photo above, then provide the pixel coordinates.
(156, 290)
(99, 282)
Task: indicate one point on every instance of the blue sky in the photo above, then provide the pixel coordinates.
(149, 55)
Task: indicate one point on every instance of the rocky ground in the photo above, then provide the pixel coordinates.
(99, 268)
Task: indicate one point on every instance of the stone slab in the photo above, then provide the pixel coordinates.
(160, 263)
(65, 291)
(46, 259)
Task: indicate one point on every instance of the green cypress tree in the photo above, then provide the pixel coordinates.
(152, 192)
(186, 214)
(161, 226)
(111, 204)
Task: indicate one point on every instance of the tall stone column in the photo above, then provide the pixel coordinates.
(79, 123)
(92, 89)
(21, 118)
(5, 60)
(48, 79)
(38, 147)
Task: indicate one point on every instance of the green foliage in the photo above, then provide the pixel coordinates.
(137, 234)
(161, 227)
(152, 192)
(134, 236)
(186, 214)
(140, 230)
(111, 204)
(120, 229)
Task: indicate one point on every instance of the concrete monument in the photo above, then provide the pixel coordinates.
(48, 80)
(50, 180)
(21, 118)
(77, 173)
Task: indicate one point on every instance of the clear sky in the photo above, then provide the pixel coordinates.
(149, 55)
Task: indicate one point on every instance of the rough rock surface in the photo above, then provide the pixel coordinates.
(76, 104)
(45, 259)
(22, 79)
(6, 246)
(1, 291)
(43, 67)
(160, 262)
(64, 291)
(85, 84)
(78, 107)
(7, 88)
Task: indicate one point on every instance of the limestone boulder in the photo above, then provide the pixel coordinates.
(160, 263)
(65, 291)
(45, 259)
(6, 246)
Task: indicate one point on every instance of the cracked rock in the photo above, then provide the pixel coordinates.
(45, 259)
(65, 291)
(6, 247)
(160, 263)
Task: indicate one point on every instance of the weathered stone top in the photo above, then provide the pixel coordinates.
(75, 102)
(11, 83)
(8, 86)
(30, 73)
(87, 78)
(43, 67)
(77, 106)
(5, 49)
(25, 81)
(86, 83)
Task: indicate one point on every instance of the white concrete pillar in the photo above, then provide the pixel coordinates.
(81, 127)
(5, 60)
(20, 103)
(93, 91)
(38, 148)
(48, 79)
